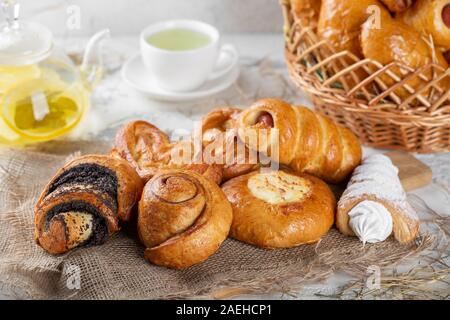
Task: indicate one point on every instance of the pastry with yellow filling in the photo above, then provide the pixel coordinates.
(279, 209)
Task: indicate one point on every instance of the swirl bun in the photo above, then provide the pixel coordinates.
(183, 218)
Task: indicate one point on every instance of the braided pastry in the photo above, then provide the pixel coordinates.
(308, 142)
(149, 151)
(218, 131)
(183, 218)
(84, 202)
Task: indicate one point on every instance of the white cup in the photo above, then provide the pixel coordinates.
(186, 70)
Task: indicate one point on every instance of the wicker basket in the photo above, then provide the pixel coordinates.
(419, 122)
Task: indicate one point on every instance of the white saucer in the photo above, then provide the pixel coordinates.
(135, 74)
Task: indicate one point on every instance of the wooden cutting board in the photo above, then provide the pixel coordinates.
(413, 173)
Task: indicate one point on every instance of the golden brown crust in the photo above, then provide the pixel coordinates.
(307, 11)
(220, 124)
(280, 225)
(183, 218)
(426, 17)
(53, 237)
(447, 56)
(352, 154)
(397, 5)
(144, 146)
(396, 41)
(308, 142)
(149, 151)
(284, 119)
(340, 23)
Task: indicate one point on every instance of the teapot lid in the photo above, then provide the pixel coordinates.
(22, 43)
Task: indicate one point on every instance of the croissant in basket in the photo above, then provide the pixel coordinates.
(149, 151)
(396, 42)
(84, 202)
(307, 11)
(397, 5)
(340, 22)
(183, 218)
(430, 17)
(307, 142)
(375, 81)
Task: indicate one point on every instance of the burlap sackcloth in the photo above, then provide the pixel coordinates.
(118, 270)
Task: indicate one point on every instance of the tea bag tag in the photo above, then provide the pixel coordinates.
(40, 105)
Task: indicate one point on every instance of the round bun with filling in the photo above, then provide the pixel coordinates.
(279, 209)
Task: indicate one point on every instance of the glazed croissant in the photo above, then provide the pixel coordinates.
(396, 41)
(308, 142)
(218, 132)
(149, 151)
(430, 17)
(183, 218)
(307, 11)
(397, 5)
(84, 202)
(374, 205)
(340, 22)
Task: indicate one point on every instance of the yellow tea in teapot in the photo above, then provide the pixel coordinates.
(37, 105)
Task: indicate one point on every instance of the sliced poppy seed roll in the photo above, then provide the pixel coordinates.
(83, 203)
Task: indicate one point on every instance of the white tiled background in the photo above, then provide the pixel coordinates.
(128, 17)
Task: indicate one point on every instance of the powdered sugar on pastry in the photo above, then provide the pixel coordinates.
(375, 203)
(378, 177)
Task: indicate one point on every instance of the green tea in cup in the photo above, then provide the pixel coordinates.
(181, 55)
(178, 39)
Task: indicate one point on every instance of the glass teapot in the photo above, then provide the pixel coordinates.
(43, 95)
